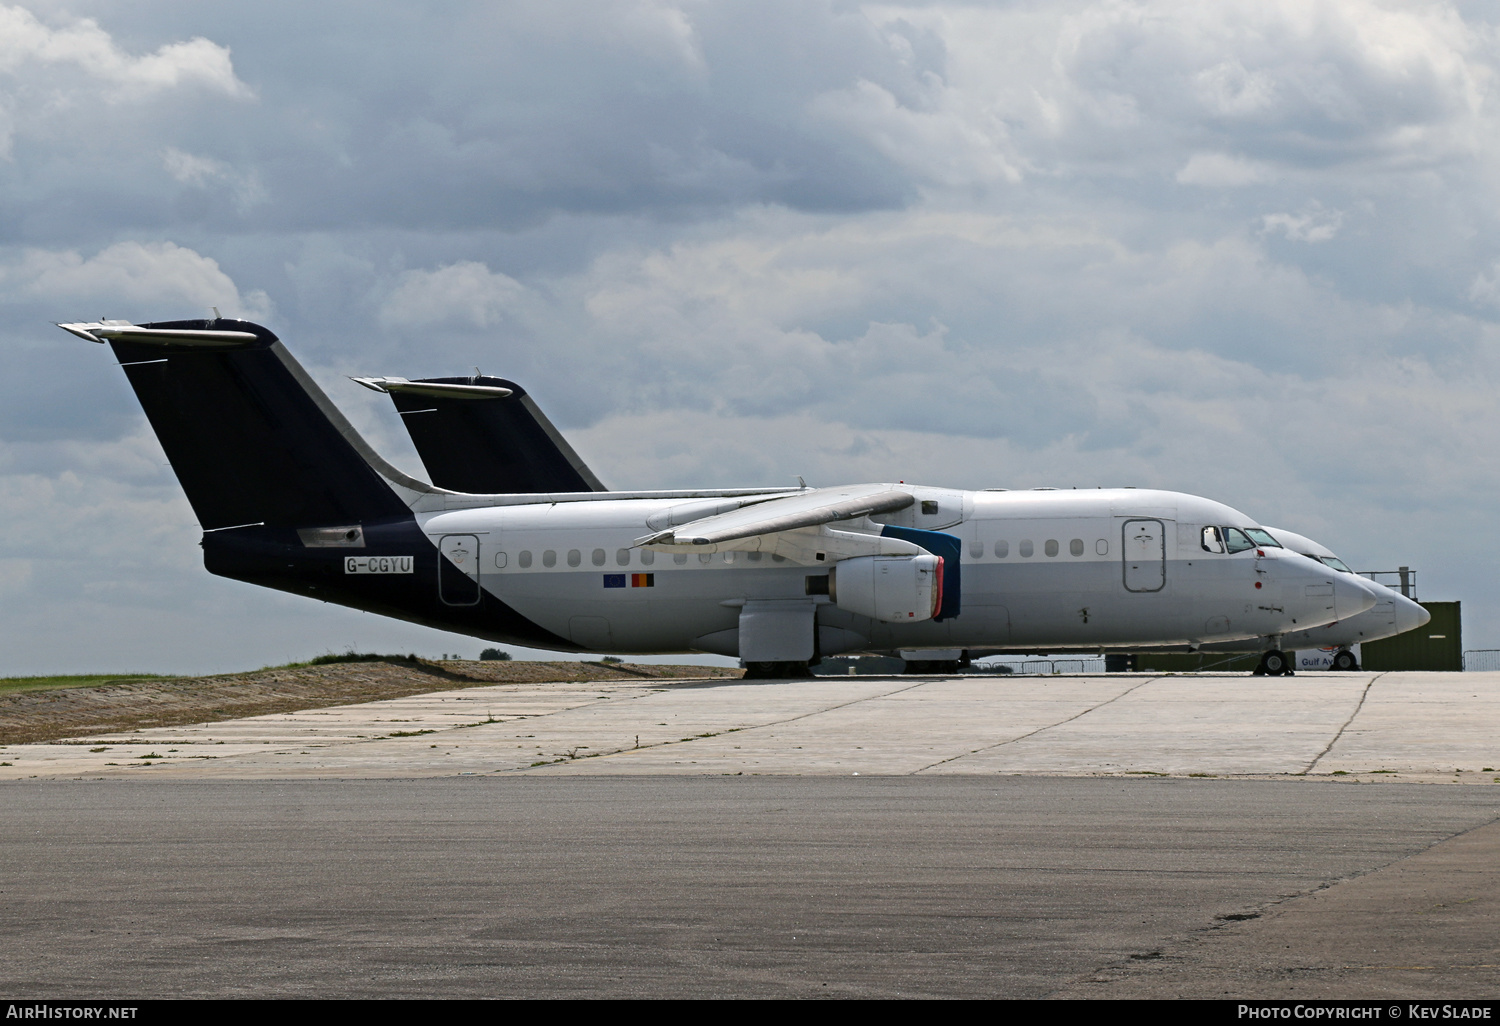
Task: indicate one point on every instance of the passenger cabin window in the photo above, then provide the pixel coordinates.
(549, 558)
(929, 507)
(680, 558)
(753, 557)
(598, 557)
(1025, 549)
(705, 557)
(1076, 546)
(1051, 547)
(1212, 540)
(976, 549)
(1101, 547)
(574, 557)
(647, 557)
(1002, 549)
(622, 557)
(524, 559)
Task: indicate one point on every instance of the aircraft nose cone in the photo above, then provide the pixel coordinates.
(1409, 615)
(1353, 595)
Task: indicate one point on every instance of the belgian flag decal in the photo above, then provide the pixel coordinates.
(630, 580)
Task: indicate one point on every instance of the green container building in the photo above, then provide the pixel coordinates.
(1436, 646)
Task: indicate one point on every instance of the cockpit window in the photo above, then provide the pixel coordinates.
(1212, 542)
(1262, 539)
(1235, 540)
(1336, 563)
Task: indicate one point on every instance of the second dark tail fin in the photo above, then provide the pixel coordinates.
(485, 435)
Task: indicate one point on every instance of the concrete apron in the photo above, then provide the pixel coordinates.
(1366, 727)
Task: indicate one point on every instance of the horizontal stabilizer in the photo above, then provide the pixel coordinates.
(807, 509)
(435, 389)
(196, 338)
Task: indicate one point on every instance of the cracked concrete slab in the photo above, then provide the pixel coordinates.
(1359, 726)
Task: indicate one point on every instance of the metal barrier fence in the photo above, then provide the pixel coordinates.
(1042, 666)
(1482, 659)
(1403, 580)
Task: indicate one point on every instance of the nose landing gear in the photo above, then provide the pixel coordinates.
(1275, 664)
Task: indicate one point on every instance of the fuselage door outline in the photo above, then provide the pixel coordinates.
(458, 570)
(1143, 553)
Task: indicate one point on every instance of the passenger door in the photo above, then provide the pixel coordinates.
(1143, 549)
(458, 570)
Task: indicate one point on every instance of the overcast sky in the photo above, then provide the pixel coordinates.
(1247, 250)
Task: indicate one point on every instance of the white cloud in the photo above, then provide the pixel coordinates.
(660, 24)
(467, 292)
(136, 274)
(191, 170)
(1224, 171)
(1314, 225)
(203, 172)
(25, 40)
(1485, 288)
(1119, 86)
(951, 144)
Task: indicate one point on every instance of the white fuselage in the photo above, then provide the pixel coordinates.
(1041, 569)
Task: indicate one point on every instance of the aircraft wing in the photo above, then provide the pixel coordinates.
(806, 509)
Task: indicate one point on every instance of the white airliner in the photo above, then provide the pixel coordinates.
(290, 497)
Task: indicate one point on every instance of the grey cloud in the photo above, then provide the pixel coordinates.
(446, 117)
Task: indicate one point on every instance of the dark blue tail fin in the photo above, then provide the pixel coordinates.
(490, 444)
(251, 437)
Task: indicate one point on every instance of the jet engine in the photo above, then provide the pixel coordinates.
(892, 589)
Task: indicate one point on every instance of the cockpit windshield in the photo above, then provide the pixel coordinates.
(1236, 541)
(1335, 562)
(1225, 539)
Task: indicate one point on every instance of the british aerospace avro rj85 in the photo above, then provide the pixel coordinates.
(290, 497)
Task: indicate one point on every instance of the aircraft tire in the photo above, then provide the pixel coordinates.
(1345, 660)
(1274, 664)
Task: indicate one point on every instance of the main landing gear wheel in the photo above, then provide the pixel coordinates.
(1274, 664)
(776, 671)
(1345, 661)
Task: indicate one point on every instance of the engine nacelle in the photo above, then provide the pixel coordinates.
(892, 589)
